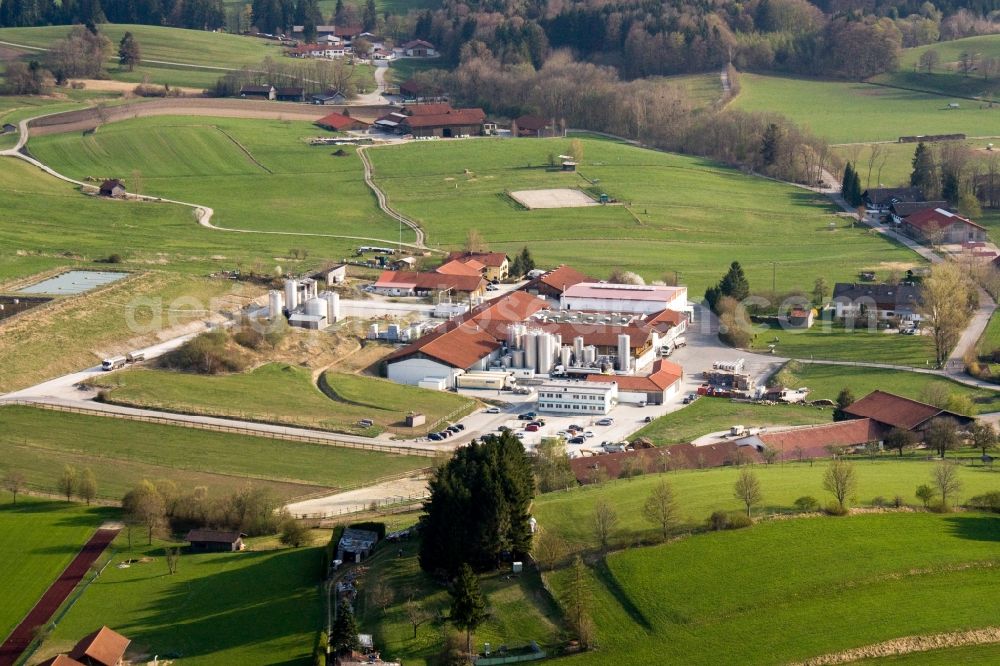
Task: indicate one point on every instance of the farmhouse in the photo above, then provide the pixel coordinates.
(112, 188)
(214, 541)
(418, 48)
(339, 122)
(606, 297)
(327, 50)
(889, 411)
(534, 126)
(886, 301)
(104, 647)
(553, 283)
(444, 123)
(939, 226)
(654, 389)
(901, 210)
(878, 200)
(413, 283)
(493, 265)
(455, 267)
(266, 91)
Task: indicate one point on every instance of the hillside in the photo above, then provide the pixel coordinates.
(947, 77)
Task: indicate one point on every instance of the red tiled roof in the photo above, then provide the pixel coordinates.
(104, 646)
(664, 375)
(491, 259)
(347, 30)
(61, 660)
(936, 219)
(339, 121)
(453, 117)
(456, 267)
(895, 410)
(671, 317)
(428, 109)
(431, 281)
(814, 440)
(678, 456)
(563, 277)
(533, 123)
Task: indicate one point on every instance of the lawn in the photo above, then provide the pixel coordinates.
(39, 442)
(990, 338)
(38, 539)
(285, 394)
(809, 586)
(714, 414)
(833, 342)
(843, 112)
(258, 607)
(686, 214)
(947, 78)
(699, 492)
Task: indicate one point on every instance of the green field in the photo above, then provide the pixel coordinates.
(811, 587)
(843, 112)
(946, 77)
(39, 442)
(38, 539)
(714, 414)
(699, 492)
(686, 214)
(260, 607)
(285, 394)
(826, 342)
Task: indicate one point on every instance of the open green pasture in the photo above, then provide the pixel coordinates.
(708, 415)
(39, 442)
(285, 394)
(946, 77)
(700, 492)
(898, 160)
(785, 591)
(38, 539)
(256, 174)
(843, 112)
(833, 342)
(685, 214)
(261, 607)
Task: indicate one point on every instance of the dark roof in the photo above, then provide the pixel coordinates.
(452, 117)
(289, 92)
(104, 646)
(212, 536)
(417, 42)
(532, 123)
(492, 259)
(887, 195)
(897, 411)
(262, 90)
(885, 296)
(111, 184)
(905, 208)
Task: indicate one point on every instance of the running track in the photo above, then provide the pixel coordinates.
(57, 593)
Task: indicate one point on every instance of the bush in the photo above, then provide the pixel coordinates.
(114, 258)
(898, 501)
(738, 521)
(836, 509)
(806, 503)
(937, 506)
(724, 520)
(719, 520)
(205, 354)
(987, 502)
(880, 502)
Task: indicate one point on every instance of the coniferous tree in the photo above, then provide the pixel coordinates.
(128, 51)
(735, 283)
(527, 262)
(856, 190)
(847, 181)
(370, 18)
(925, 172)
(344, 633)
(468, 607)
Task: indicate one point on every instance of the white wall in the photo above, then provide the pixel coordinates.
(412, 370)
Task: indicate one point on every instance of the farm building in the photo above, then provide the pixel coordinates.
(535, 126)
(412, 283)
(888, 411)
(418, 48)
(653, 389)
(455, 267)
(887, 301)
(258, 92)
(434, 120)
(901, 210)
(339, 122)
(327, 50)
(594, 469)
(577, 397)
(553, 283)
(878, 200)
(605, 297)
(356, 543)
(328, 97)
(937, 226)
(333, 275)
(493, 265)
(290, 94)
(104, 647)
(214, 541)
(112, 188)
(799, 317)
(817, 441)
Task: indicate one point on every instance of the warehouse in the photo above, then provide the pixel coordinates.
(630, 298)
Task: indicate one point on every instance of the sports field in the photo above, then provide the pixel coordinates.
(683, 214)
(120, 453)
(38, 538)
(260, 607)
(805, 585)
(842, 112)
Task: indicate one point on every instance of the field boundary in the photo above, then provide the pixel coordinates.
(908, 645)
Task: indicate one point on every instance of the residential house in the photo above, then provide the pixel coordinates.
(104, 647)
(938, 226)
(535, 126)
(799, 317)
(455, 267)
(265, 91)
(413, 283)
(878, 200)
(112, 188)
(383, 55)
(889, 411)
(901, 210)
(888, 301)
(339, 122)
(290, 94)
(327, 51)
(553, 283)
(214, 541)
(418, 48)
(493, 265)
(661, 384)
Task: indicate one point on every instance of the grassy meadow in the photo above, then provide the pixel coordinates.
(284, 394)
(947, 78)
(39, 442)
(835, 343)
(806, 585)
(708, 415)
(686, 214)
(257, 607)
(38, 539)
(843, 112)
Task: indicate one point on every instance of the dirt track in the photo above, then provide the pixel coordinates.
(909, 644)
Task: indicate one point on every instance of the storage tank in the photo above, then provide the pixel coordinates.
(530, 343)
(589, 355)
(373, 332)
(514, 336)
(546, 352)
(565, 354)
(517, 358)
(316, 306)
(624, 352)
(275, 301)
(393, 331)
(332, 306)
(291, 294)
(578, 349)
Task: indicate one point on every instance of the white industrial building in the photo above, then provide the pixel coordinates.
(577, 397)
(304, 307)
(622, 298)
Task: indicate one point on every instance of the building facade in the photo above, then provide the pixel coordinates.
(584, 398)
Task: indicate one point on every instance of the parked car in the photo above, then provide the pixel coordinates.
(503, 428)
(492, 287)
(492, 410)
(460, 426)
(519, 435)
(606, 422)
(538, 423)
(525, 417)
(588, 434)
(453, 429)
(576, 427)
(577, 440)
(531, 428)
(434, 437)
(531, 415)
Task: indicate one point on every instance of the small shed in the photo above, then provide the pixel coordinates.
(358, 543)
(333, 275)
(104, 647)
(8, 128)
(113, 188)
(215, 541)
(415, 419)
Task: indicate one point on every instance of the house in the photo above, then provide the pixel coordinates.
(112, 188)
(553, 283)
(413, 283)
(418, 48)
(661, 384)
(383, 55)
(887, 301)
(610, 297)
(878, 200)
(585, 398)
(493, 265)
(889, 411)
(455, 267)
(326, 50)
(104, 647)
(901, 210)
(259, 92)
(799, 317)
(339, 122)
(938, 226)
(447, 124)
(329, 97)
(214, 541)
(357, 543)
(291, 94)
(535, 126)
(817, 441)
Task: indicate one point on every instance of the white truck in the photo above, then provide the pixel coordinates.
(113, 363)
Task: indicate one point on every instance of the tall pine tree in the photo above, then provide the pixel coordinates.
(734, 283)
(468, 607)
(925, 172)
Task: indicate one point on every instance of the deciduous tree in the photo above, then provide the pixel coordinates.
(747, 489)
(984, 436)
(840, 481)
(13, 482)
(661, 508)
(946, 481)
(945, 298)
(844, 400)
(293, 532)
(67, 482)
(604, 520)
(143, 505)
(86, 486)
(942, 435)
(900, 439)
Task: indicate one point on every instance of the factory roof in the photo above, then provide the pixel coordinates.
(624, 292)
(664, 375)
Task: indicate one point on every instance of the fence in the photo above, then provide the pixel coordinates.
(385, 505)
(235, 430)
